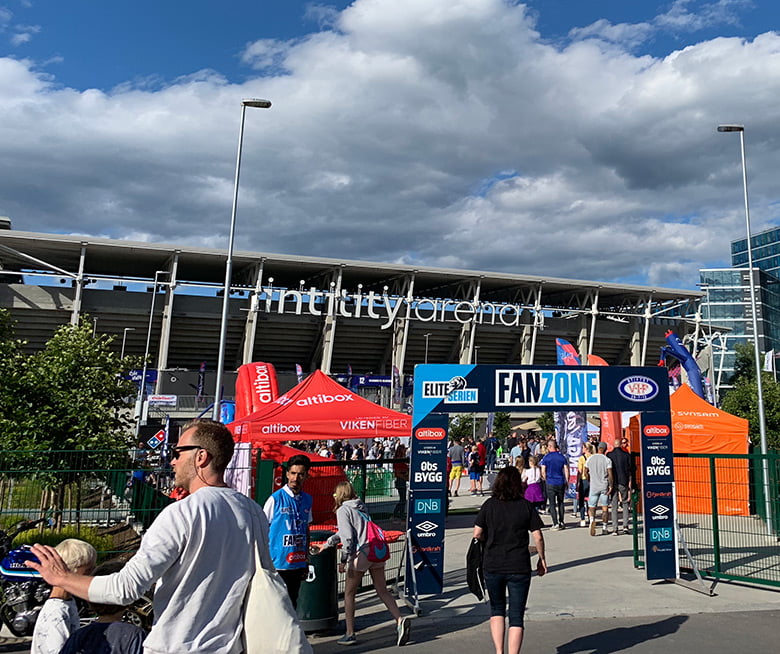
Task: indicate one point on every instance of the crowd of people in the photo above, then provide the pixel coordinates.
(603, 482)
(205, 553)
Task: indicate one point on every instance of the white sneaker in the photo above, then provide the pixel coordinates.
(604, 530)
(583, 523)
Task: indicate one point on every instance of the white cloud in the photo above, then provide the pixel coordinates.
(438, 132)
(24, 33)
(684, 15)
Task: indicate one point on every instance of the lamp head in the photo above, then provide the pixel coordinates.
(256, 102)
(731, 128)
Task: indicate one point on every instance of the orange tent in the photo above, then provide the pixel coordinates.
(700, 428)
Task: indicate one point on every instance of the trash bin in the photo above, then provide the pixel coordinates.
(318, 604)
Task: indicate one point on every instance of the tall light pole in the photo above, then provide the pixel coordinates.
(139, 403)
(260, 104)
(427, 336)
(756, 350)
(124, 339)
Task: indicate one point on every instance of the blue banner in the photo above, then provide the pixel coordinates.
(427, 507)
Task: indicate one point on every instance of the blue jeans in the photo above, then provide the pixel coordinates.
(518, 585)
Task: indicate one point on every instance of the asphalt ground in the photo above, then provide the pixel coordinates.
(591, 601)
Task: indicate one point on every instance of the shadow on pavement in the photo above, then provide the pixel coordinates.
(621, 639)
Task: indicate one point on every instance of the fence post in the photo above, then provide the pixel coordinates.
(714, 504)
(264, 479)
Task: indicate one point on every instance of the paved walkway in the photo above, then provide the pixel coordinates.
(590, 597)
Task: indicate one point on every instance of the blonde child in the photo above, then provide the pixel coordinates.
(59, 616)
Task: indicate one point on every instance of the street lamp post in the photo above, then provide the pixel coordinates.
(124, 339)
(139, 403)
(427, 336)
(260, 104)
(756, 349)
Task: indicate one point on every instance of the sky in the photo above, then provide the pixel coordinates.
(550, 137)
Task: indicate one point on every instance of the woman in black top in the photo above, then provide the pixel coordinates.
(503, 525)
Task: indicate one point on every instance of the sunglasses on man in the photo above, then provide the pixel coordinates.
(176, 450)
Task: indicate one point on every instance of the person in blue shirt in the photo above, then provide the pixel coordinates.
(555, 472)
(289, 513)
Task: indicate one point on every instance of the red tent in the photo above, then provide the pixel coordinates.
(320, 408)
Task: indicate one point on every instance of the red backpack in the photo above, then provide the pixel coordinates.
(376, 548)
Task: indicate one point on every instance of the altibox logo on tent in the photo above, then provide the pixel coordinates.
(430, 433)
(262, 383)
(280, 428)
(322, 398)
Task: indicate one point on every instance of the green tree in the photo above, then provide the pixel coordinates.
(546, 423)
(461, 426)
(502, 425)
(69, 396)
(744, 362)
(742, 401)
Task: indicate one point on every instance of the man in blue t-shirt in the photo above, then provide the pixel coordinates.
(289, 513)
(555, 472)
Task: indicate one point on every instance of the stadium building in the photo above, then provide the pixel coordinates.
(341, 316)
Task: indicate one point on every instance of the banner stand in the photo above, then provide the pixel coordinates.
(440, 390)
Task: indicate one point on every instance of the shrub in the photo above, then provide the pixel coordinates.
(51, 537)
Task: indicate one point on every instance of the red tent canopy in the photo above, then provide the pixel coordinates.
(318, 408)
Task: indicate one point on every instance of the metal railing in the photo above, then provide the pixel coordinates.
(97, 491)
(721, 513)
(374, 482)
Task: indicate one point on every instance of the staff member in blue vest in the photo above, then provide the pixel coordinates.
(289, 513)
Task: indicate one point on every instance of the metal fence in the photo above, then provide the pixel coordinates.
(722, 515)
(109, 494)
(374, 482)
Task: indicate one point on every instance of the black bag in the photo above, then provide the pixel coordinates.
(475, 575)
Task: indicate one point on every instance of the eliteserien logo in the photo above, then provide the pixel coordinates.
(638, 388)
(453, 391)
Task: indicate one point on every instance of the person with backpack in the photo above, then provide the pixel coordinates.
(363, 548)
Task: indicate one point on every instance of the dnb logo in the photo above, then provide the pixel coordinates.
(452, 392)
(432, 505)
(638, 388)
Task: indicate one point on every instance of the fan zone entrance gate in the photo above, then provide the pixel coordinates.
(443, 389)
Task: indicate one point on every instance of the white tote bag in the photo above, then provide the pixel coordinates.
(271, 625)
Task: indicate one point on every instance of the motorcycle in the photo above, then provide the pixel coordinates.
(22, 590)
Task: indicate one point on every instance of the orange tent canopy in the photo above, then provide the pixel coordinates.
(700, 428)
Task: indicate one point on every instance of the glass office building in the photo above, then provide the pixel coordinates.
(766, 251)
(727, 304)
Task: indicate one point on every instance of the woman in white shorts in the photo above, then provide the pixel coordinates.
(351, 515)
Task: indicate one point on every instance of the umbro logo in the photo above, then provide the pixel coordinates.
(427, 526)
(659, 509)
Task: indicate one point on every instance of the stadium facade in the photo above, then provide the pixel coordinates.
(332, 314)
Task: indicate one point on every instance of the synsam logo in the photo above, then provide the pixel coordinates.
(430, 433)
